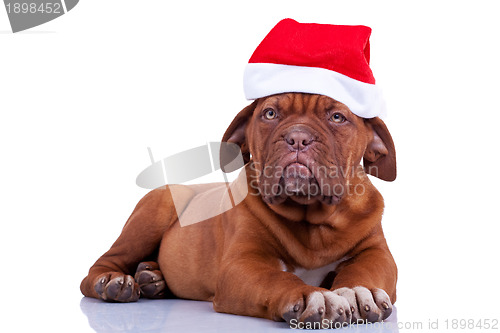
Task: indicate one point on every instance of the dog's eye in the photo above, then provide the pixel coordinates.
(270, 114)
(337, 118)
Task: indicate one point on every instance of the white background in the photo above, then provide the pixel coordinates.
(83, 96)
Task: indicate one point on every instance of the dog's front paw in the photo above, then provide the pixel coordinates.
(367, 305)
(117, 287)
(318, 309)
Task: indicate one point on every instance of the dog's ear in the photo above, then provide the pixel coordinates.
(235, 135)
(379, 159)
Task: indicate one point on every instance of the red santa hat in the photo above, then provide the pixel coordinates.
(331, 60)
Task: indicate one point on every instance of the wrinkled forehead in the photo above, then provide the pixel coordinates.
(301, 103)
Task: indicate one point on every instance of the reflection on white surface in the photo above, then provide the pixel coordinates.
(176, 315)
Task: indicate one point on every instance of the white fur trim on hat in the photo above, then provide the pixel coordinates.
(264, 79)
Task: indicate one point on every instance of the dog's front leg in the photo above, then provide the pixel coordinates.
(111, 277)
(368, 281)
(253, 284)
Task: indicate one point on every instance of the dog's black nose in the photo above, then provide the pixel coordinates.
(298, 140)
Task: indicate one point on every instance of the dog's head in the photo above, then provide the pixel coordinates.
(306, 147)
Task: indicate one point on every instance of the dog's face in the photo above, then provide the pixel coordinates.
(306, 147)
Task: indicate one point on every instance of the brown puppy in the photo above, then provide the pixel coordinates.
(310, 209)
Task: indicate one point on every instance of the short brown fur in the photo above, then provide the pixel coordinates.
(236, 259)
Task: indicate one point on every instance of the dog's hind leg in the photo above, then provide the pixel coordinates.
(110, 278)
(151, 281)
